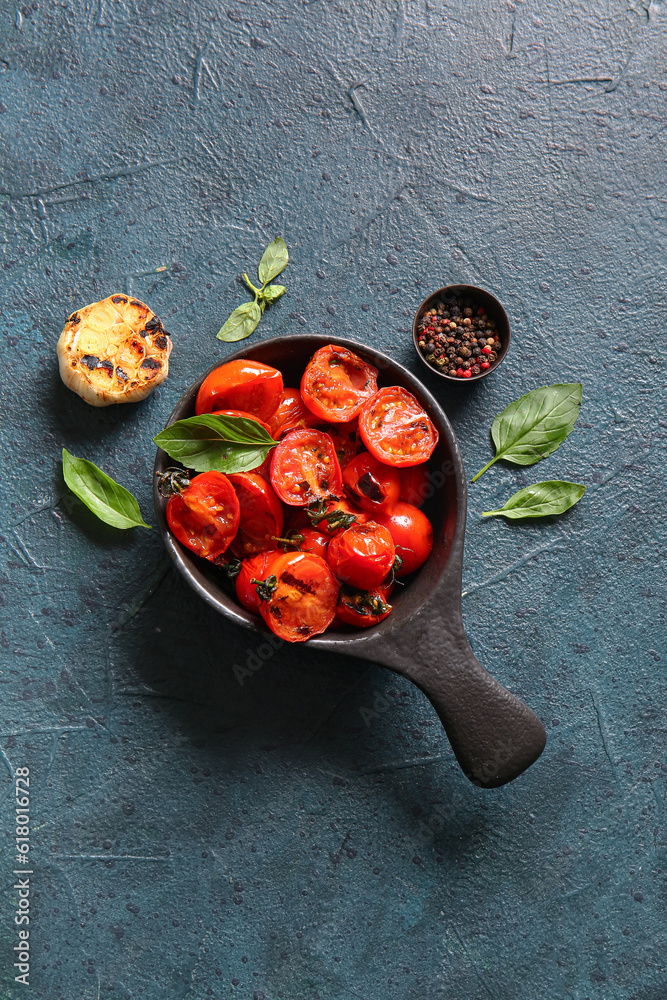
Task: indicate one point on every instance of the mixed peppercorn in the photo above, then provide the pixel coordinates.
(458, 338)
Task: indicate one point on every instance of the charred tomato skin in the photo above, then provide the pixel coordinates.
(336, 384)
(241, 385)
(362, 555)
(412, 535)
(303, 598)
(304, 468)
(396, 428)
(373, 485)
(205, 515)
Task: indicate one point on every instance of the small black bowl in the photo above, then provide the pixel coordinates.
(481, 298)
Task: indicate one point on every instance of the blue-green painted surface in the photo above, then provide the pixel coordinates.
(308, 834)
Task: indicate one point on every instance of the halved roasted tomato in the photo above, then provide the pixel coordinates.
(304, 467)
(336, 383)
(241, 385)
(205, 515)
(299, 596)
(396, 428)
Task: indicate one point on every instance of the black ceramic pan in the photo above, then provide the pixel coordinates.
(493, 734)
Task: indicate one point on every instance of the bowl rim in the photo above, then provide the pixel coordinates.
(471, 290)
(330, 639)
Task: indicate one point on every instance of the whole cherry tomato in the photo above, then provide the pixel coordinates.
(261, 514)
(299, 596)
(336, 383)
(415, 484)
(334, 515)
(345, 438)
(292, 414)
(256, 568)
(363, 608)
(395, 428)
(372, 485)
(241, 385)
(205, 515)
(304, 467)
(362, 555)
(412, 535)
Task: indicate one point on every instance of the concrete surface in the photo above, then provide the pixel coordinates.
(307, 833)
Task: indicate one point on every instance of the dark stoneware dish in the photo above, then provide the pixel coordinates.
(494, 735)
(493, 308)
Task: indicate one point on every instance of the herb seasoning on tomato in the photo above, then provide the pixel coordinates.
(299, 597)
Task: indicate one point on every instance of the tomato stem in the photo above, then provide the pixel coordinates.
(482, 471)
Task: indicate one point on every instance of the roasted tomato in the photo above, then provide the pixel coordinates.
(334, 515)
(292, 414)
(241, 385)
(371, 484)
(240, 413)
(305, 540)
(396, 429)
(256, 568)
(205, 515)
(346, 440)
(412, 535)
(362, 555)
(415, 484)
(363, 608)
(336, 384)
(304, 468)
(261, 514)
(299, 597)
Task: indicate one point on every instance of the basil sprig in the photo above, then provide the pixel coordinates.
(554, 496)
(110, 501)
(245, 318)
(214, 443)
(535, 425)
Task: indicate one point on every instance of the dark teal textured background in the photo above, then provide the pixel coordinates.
(307, 834)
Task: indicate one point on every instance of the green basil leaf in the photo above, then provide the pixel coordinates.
(554, 496)
(272, 293)
(241, 323)
(535, 425)
(211, 443)
(274, 260)
(111, 502)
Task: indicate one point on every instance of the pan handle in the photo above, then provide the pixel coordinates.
(493, 734)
